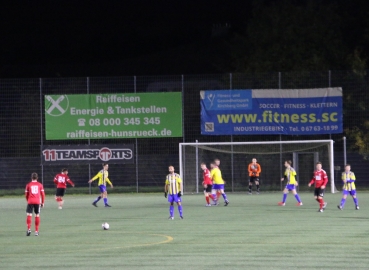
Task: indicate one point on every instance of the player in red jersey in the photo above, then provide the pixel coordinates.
(207, 183)
(35, 196)
(61, 180)
(320, 179)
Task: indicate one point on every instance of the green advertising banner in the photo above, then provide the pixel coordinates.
(104, 116)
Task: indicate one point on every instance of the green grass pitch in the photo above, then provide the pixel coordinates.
(251, 233)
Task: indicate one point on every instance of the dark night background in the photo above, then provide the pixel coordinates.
(117, 38)
(264, 44)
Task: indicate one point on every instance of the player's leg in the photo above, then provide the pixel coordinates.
(101, 187)
(322, 203)
(354, 197)
(251, 180)
(209, 190)
(206, 194)
(59, 196)
(316, 194)
(297, 197)
(284, 198)
(257, 183)
(179, 204)
(207, 198)
(171, 206)
(226, 202)
(106, 198)
(29, 211)
(214, 191)
(37, 210)
(343, 200)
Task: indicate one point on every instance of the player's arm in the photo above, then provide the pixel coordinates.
(55, 180)
(70, 182)
(285, 174)
(312, 181)
(179, 182)
(98, 175)
(296, 182)
(249, 169)
(325, 181)
(42, 196)
(212, 173)
(166, 188)
(259, 169)
(109, 182)
(26, 193)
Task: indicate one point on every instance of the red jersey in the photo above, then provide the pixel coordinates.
(207, 177)
(35, 193)
(61, 180)
(320, 178)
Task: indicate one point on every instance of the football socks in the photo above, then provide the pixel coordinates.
(37, 223)
(180, 210)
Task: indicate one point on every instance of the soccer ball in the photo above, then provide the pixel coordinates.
(105, 226)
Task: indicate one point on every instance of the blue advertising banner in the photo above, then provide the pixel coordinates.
(271, 111)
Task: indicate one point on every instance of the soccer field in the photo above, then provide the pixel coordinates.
(251, 233)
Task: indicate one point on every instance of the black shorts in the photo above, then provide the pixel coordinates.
(253, 179)
(208, 188)
(33, 208)
(319, 192)
(60, 192)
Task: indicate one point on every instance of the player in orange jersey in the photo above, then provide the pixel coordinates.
(254, 170)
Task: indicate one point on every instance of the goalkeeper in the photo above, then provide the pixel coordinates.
(173, 187)
(254, 169)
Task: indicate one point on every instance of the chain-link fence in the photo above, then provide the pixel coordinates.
(23, 135)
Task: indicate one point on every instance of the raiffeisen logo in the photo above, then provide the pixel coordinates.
(103, 154)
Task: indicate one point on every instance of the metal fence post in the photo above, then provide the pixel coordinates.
(183, 131)
(280, 136)
(41, 133)
(329, 85)
(136, 142)
(232, 168)
(197, 167)
(89, 142)
(344, 152)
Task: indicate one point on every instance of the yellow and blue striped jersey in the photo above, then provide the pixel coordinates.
(173, 181)
(290, 174)
(103, 177)
(349, 181)
(216, 176)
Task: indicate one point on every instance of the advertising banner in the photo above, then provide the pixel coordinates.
(271, 111)
(88, 154)
(112, 116)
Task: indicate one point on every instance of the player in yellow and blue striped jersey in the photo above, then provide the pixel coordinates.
(172, 191)
(349, 187)
(218, 184)
(103, 177)
(290, 175)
